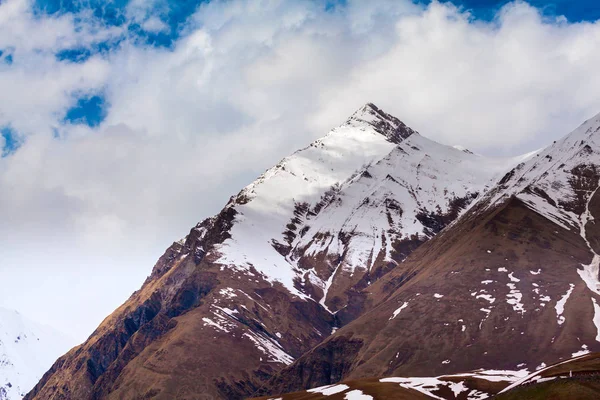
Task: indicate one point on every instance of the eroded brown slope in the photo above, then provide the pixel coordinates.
(159, 344)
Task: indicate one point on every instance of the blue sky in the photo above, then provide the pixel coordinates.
(573, 10)
(10, 139)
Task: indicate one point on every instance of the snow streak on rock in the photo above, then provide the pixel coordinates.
(589, 273)
(329, 389)
(596, 318)
(560, 305)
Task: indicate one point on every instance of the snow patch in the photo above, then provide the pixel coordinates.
(486, 297)
(210, 322)
(269, 347)
(329, 389)
(423, 385)
(560, 305)
(536, 272)
(227, 293)
(458, 388)
(514, 298)
(429, 385)
(402, 307)
(589, 273)
(584, 350)
(541, 366)
(596, 318)
(357, 395)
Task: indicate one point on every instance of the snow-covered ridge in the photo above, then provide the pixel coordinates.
(557, 181)
(265, 207)
(371, 181)
(27, 350)
(410, 193)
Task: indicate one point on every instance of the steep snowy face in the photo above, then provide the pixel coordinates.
(265, 207)
(27, 350)
(367, 225)
(359, 199)
(560, 179)
(411, 193)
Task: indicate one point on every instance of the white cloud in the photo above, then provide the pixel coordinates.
(510, 85)
(37, 89)
(85, 216)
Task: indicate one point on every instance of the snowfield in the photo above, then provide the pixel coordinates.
(27, 351)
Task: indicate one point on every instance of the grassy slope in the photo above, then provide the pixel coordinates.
(577, 388)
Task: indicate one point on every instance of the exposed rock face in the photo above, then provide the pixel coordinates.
(389, 126)
(319, 243)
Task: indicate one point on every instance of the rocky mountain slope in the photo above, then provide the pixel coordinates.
(512, 284)
(303, 251)
(27, 350)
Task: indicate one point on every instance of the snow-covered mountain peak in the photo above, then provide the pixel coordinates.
(351, 196)
(27, 350)
(370, 116)
(264, 208)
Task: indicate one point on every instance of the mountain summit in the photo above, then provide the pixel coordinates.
(308, 274)
(389, 126)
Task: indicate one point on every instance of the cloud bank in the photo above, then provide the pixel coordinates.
(86, 210)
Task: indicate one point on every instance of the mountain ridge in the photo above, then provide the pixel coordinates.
(506, 284)
(289, 262)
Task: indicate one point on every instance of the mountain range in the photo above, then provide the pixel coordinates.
(372, 253)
